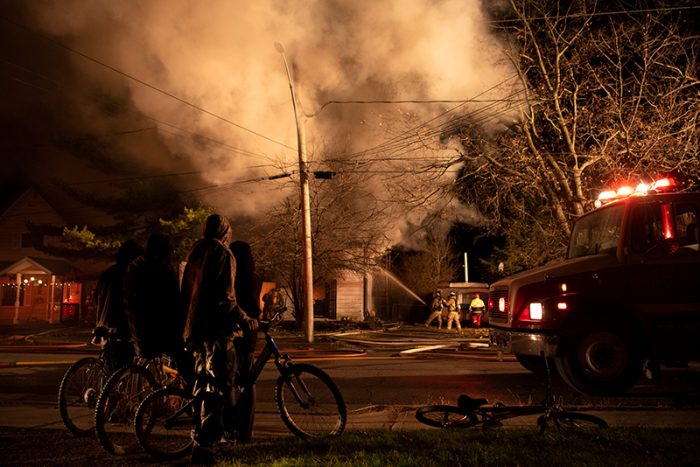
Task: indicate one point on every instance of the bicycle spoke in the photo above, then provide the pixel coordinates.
(310, 403)
(117, 407)
(444, 416)
(77, 396)
(164, 422)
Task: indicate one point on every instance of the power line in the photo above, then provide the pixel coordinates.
(597, 13)
(136, 177)
(398, 101)
(144, 83)
(398, 138)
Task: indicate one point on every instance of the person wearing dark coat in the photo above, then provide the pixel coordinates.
(154, 306)
(248, 286)
(111, 313)
(213, 314)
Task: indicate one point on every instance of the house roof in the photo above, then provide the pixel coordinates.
(33, 265)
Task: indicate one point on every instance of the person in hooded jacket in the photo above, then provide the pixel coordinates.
(154, 306)
(248, 286)
(213, 314)
(111, 313)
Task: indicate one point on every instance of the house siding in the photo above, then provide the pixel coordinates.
(349, 298)
(29, 206)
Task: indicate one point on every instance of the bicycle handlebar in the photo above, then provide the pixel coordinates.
(265, 325)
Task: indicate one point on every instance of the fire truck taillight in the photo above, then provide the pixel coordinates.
(502, 305)
(535, 310)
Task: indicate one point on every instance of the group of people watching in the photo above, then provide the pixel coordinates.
(151, 314)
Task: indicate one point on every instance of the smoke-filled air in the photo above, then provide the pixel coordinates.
(207, 80)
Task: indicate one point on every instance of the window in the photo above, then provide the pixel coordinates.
(32, 241)
(647, 227)
(686, 219)
(9, 294)
(597, 233)
(664, 225)
(27, 241)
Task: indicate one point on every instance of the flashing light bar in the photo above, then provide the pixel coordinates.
(662, 184)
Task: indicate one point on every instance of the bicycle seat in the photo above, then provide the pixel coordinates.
(468, 404)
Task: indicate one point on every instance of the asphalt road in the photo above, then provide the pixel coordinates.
(383, 377)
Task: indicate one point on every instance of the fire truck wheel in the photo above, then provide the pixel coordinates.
(602, 362)
(535, 364)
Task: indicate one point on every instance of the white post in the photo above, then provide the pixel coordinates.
(308, 278)
(18, 283)
(466, 268)
(52, 297)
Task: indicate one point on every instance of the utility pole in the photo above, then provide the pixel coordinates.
(308, 278)
(466, 268)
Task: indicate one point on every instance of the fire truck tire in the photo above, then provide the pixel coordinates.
(535, 364)
(600, 362)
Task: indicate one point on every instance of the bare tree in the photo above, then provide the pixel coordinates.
(605, 97)
(348, 231)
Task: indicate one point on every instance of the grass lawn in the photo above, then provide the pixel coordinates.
(497, 447)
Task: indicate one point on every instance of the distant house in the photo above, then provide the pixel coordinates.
(359, 297)
(345, 297)
(35, 286)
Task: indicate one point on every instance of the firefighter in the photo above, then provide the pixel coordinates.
(435, 310)
(452, 312)
(476, 310)
(273, 303)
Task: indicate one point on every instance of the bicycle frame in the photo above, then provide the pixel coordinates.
(270, 349)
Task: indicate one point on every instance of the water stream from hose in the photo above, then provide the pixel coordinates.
(401, 284)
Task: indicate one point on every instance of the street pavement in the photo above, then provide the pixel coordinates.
(44, 344)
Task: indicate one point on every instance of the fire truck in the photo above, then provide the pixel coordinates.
(625, 300)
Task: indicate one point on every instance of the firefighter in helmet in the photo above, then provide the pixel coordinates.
(453, 312)
(435, 309)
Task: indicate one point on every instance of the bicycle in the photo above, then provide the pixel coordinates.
(82, 383)
(471, 412)
(121, 396)
(309, 402)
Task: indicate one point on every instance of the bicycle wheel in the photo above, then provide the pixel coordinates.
(164, 422)
(78, 393)
(445, 416)
(310, 403)
(116, 408)
(571, 421)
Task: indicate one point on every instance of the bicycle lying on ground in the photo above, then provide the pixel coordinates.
(82, 383)
(471, 412)
(309, 402)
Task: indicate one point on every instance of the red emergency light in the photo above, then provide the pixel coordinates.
(662, 184)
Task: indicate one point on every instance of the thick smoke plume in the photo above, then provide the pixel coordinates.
(222, 103)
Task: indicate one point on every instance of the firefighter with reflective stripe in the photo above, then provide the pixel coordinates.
(452, 312)
(435, 310)
(476, 310)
